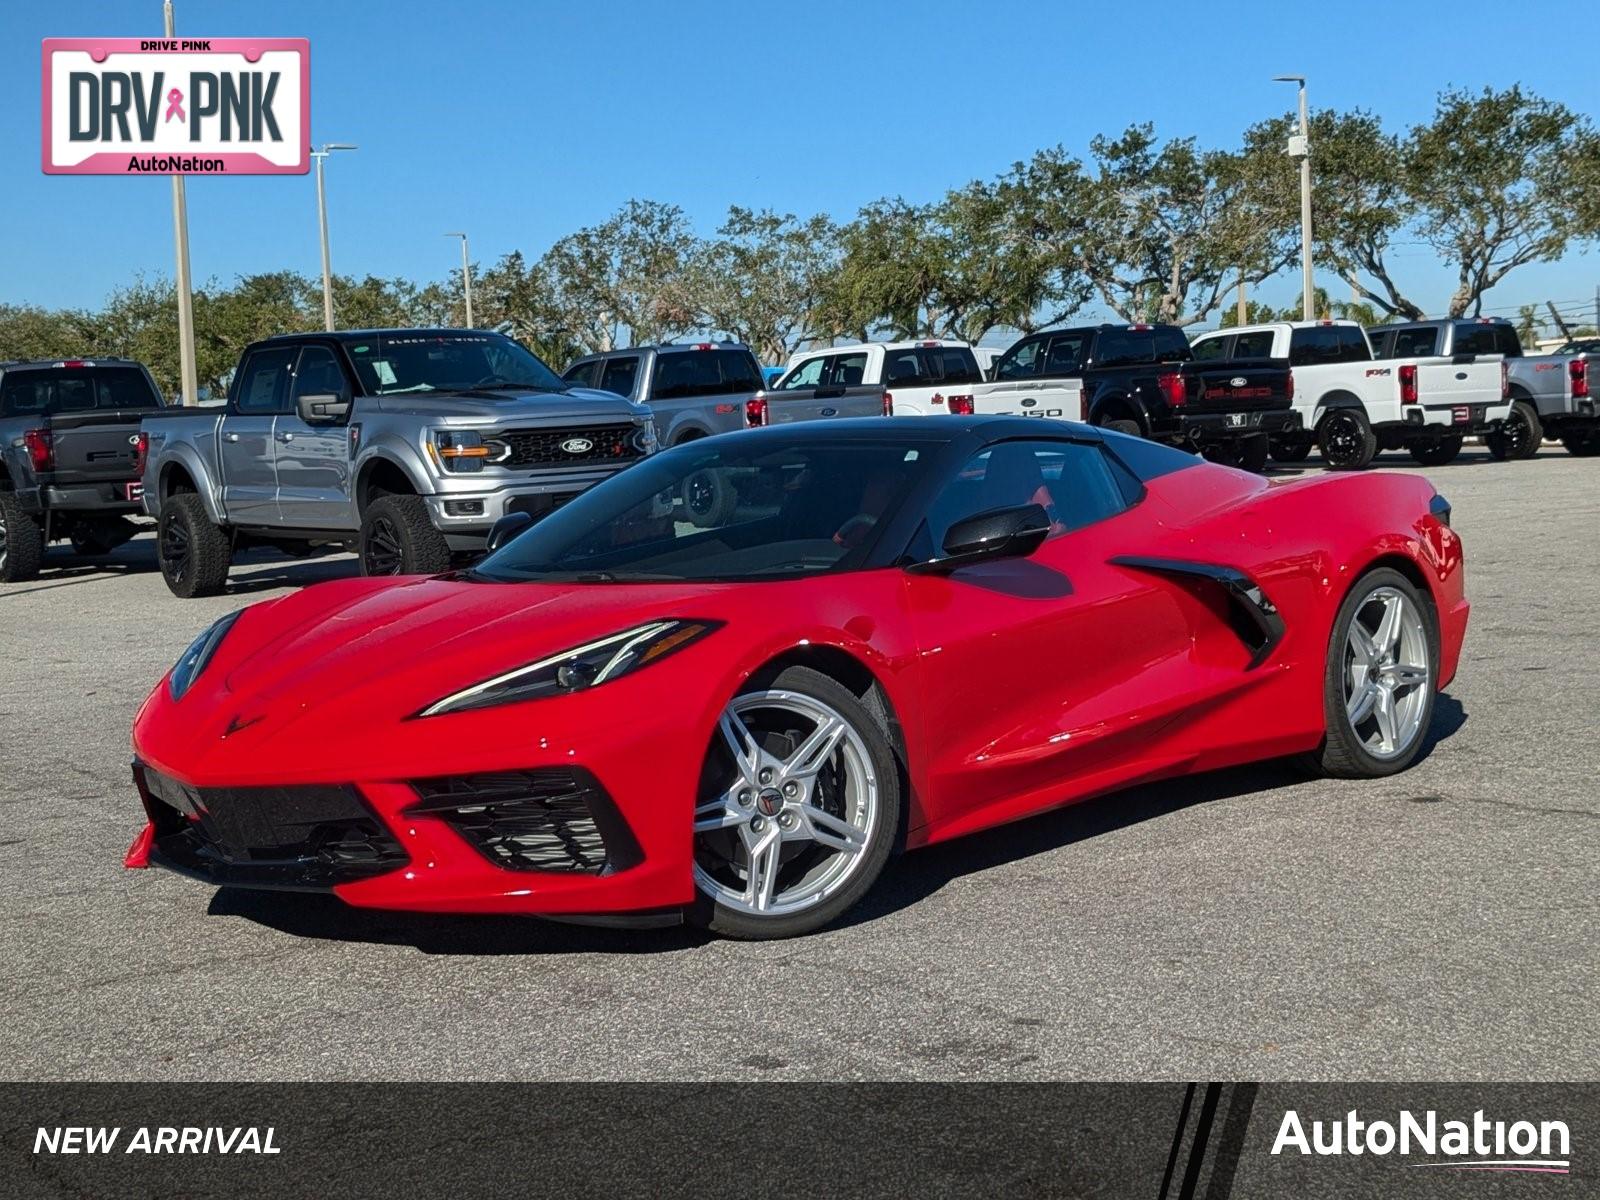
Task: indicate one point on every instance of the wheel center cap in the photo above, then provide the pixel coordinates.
(769, 801)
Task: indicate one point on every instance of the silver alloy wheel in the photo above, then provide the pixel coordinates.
(790, 823)
(1387, 672)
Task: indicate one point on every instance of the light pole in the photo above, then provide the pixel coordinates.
(1300, 147)
(322, 228)
(466, 274)
(187, 375)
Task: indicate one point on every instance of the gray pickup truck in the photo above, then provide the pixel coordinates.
(1549, 393)
(694, 389)
(405, 444)
(69, 456)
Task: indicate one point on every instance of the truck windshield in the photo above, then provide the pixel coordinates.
(728, 509)
(390, 363)
(49, 390)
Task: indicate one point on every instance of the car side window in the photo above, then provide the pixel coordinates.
(1308, 347)
(1253, 345)
(1211, 349)
(1353, 344)
(264, 381)
(319, 373)
(807, 375)
(1506, 341)
(1065, 356)
(1124, 347)
(1171, 346)
(847, 370)
(952, 364)
(620, 375)
(1022, 361)
(1074, 482)
(581, 374)
(1414, 343)
(904, 367)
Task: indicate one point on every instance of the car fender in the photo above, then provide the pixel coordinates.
(184, 458)
(1111, 399)
(1338, 398)
(392, 449)
(683, 427)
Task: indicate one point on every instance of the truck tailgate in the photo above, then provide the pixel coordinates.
(1238, 386)
(93, 447)
(1058, 399)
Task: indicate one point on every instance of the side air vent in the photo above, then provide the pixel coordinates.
(1252, 616)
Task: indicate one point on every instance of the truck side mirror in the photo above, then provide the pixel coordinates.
(323, 408)
(506, 528)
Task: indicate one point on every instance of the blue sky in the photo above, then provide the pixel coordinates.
(519, 121)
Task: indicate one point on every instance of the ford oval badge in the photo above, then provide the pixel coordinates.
(577, 445)
(1238, 381)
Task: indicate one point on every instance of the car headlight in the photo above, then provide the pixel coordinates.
(462, 452)
(580, 668)
(194, 659)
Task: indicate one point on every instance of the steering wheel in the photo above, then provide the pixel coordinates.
(492, 379)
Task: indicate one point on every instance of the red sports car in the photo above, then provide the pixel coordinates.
(729, 682)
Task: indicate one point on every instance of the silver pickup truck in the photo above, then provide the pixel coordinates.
(405, 444)
(694, 389)
(1549, 393)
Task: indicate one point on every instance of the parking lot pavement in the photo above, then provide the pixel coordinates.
(1438, 925)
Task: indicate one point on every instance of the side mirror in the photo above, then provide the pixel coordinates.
(508, 527)
(323, 408)
(999, 533)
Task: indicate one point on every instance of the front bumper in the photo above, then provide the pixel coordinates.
(467, 506)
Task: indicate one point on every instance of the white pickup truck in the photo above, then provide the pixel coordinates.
(918, 379)
(1352, 405)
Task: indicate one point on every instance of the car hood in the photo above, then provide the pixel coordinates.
(577, 403)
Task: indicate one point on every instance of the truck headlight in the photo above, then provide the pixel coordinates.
(459, 451)
(645, 439)
(198, 655)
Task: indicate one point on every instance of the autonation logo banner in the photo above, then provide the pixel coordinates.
(1478, 1144)
(165, 106)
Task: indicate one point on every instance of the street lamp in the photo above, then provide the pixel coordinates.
(1300, 147)
(466, 274)
(322, 226)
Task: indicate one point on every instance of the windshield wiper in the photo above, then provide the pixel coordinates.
(520, 387)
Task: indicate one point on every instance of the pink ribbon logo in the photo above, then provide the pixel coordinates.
(175, 106)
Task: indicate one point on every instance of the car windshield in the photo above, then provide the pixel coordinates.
(390, 363)
(723, 510)
(29, 391)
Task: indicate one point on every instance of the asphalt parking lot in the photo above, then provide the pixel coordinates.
(1440, 925)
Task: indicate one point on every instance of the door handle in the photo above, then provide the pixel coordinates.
(230, 437)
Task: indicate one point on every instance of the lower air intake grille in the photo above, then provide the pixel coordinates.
(543, 819)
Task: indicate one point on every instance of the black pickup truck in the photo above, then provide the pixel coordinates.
(70, 456)
(1143, 379)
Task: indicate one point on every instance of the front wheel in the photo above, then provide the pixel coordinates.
(1346, 440)
(398, 537)
(1436, 454)
(798, 808)
(1123, 425)
(1518, 437)
(1379, 679)
(193, 554)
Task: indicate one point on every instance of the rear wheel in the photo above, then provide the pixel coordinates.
(709, 498)
(192, 552)
(1346, 440)
(1379, 679)
(21, 541)
(92, 538)
(398, 537)
(1582, 445)
(1295, 450)
(1436, 454)
(1519, 436)
(798, 808)
(1123, 425)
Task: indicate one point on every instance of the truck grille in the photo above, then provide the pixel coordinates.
(544, 819)
(570, 447)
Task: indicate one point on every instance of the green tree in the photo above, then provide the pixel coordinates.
(765, 278)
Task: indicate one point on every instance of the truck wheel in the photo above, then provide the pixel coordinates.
(93, 538)
(21, 541)
(1124, 425)
(709, 498)
(1297, 450)
(192, 552)
(1436, 454)
(1346, 440)
(398, 537)
(1519, 436)
(1582, 445)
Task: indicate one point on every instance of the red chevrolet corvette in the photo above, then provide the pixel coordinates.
(730, 681)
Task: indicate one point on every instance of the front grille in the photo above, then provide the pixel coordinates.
(544, 819)
(308, 838)
(564, 447)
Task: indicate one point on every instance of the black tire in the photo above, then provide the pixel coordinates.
(93, 538)
(1582, 445)
(1436, 454)
(709, 498)
(1343, 754)
(1296, 450)
(1519, 437)
(21, 541)
(1346, 440)
(398, 537)
(869, 724)
(193, 554)
(1253, 453)
(1123, 425)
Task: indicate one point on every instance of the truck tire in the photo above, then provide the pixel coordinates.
(1123, 425)
(1346, 440)
(192, 552)
(1582, 445)
(93, 538)
(1292, 450)
(1519, 437)
(21, 541)
(1436, 454)
(709, 498)
(398, 537)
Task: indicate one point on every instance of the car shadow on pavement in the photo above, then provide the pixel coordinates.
(905, 881)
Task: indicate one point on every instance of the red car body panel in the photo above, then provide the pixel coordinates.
(1018, 686)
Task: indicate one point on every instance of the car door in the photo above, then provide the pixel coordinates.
(313, 459)
(245, 449)
(798, 395)
(1038, 671)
